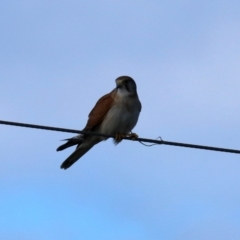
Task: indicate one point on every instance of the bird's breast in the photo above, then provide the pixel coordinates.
(121, 118)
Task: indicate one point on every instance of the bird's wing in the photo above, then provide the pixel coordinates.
(99, 111)
(95, 118)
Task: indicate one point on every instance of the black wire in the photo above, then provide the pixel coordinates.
(126, 138)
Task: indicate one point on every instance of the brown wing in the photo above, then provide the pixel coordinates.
(99, 111)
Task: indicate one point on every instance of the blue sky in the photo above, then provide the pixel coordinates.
(58, 57)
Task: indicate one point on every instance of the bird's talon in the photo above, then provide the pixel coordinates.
(133, 136)
(119, 137)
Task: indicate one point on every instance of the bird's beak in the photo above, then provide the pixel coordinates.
(119, 83)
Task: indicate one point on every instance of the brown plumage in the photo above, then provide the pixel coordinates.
(99, 111)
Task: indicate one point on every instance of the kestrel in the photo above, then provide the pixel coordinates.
(115, 113)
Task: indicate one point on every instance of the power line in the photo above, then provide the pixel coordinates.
(17, 124)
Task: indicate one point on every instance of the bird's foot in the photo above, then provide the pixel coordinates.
(119, 137)
(133, 136)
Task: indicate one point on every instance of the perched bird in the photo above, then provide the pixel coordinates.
(115, 113)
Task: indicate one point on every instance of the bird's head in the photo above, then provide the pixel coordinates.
(126, 85)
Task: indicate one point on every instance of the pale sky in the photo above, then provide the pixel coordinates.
(59, 57)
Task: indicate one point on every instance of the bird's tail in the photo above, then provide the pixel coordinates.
(77, 140)
(79, 152)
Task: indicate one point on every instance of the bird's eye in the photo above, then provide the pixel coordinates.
(126, 83)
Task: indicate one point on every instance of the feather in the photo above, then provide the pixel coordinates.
(79, 152)
(77, 140)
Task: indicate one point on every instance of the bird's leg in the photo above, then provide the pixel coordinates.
(119, 137)
(133, 136)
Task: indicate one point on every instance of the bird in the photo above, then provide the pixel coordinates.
(115, 114)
